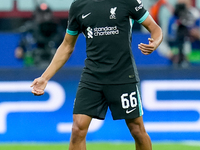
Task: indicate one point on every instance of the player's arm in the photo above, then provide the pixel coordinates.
(62, 54)
(156, 36)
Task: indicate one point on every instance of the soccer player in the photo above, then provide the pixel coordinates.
(109, 78)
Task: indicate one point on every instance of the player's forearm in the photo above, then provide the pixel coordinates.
(61, 56)
(154, 29)
(157, 35)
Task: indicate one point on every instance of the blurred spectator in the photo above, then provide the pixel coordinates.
(184, 32)
(40, 38)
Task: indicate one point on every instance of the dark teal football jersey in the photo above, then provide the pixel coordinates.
(107, 26)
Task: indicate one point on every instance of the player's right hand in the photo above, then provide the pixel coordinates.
(38, 86)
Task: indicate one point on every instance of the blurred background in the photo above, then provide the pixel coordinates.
(30, 32)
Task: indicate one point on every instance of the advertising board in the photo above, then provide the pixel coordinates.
(171, 103)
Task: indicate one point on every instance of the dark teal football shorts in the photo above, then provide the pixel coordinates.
(123, 100)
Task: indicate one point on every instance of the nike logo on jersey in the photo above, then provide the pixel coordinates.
(84, 16)
(129, 111)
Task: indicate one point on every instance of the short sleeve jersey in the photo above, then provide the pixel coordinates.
(107, 26)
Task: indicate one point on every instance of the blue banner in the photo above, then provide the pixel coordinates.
(171, 102)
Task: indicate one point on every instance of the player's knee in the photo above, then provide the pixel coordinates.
(138, 136)
(80, 127)
(78, 134)
(79, 131)
(138, 133)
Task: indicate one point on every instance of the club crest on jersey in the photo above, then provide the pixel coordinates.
(113, 13)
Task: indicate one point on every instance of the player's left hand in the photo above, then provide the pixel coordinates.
(147, 49)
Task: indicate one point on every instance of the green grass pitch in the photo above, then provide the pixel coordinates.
(100, 146)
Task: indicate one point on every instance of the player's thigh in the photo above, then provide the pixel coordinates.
(124, 100)
(81, 122)
(135, 124)
(136, 127)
